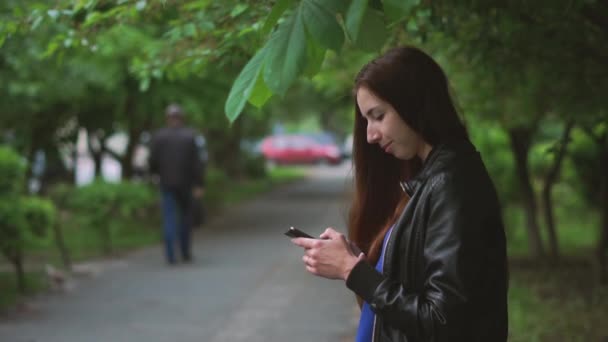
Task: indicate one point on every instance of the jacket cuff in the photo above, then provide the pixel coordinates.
(364, 280)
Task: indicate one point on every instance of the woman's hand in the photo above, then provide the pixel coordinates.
(331, 257)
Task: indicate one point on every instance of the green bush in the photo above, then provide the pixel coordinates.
(101, 198)
(216, 184)
(12, 172)
(585, 172)
(216, 177)
(254, 166)
(493, 144)
(104, 205)
(22, 219)
(11, 222)
(39, 215)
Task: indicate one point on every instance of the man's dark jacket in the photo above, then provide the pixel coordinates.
(445, 268)
(174, 156)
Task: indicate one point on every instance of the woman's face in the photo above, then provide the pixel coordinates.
(387, 129)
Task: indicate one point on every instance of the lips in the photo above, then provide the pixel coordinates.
(386, 146)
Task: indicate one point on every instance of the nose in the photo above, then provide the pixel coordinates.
(373, 135)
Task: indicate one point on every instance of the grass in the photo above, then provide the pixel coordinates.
(250, 188)
(9, 296)
(84, 243)
(222, 191)
(556, 301)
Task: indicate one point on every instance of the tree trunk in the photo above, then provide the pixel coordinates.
(55, 169)
(19, 271)
(520, 139)
(233, 150)
(29, 171)
(225, 149)
(95, 151)
(134, 130)
(550, 180)
(60, 243)
(603, 243)
(127, 159)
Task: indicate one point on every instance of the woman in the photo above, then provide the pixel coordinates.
(432, 262)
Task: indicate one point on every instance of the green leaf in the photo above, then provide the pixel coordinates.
(321, 23)
(196, 5)
(354, 18)
(396, 10)
(238, 10)
(286, 54)
(144, 84)
(316, 55)
(275, 14)
(92, 19)
(243, 85)
(36, 22)
(190, 30)
(52, 46)
(260, 93)
(335, 6)
(53, 13)
(373, 37)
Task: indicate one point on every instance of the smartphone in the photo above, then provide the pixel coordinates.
(296, 233)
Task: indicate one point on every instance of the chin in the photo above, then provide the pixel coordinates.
(405, 156)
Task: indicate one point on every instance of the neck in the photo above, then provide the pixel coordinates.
(424, 151)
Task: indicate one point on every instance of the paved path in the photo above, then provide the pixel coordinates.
(246, 284)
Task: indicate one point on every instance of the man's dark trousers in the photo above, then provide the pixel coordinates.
(177, 222)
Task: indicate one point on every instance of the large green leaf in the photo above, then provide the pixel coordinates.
(316, 55)
(335, 6)
(286, 56)
(374, 34)
(244, 85)
(354, 18)
(275, 14)
(322, 24)
(396, 10)
(260, 93)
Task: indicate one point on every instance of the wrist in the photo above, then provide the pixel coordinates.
(350, 264)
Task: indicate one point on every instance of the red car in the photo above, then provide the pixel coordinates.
(299, 149)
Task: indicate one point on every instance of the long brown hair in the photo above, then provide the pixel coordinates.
(416, 86)
(378, 197)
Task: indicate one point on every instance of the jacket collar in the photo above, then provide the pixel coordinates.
(440, 156)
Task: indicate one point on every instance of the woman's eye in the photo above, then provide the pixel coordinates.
(379, 117)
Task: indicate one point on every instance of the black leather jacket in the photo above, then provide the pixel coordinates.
(445, 266)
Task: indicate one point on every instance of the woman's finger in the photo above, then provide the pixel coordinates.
(304, 242)
(330, 233)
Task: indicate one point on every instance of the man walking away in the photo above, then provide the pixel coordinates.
(175, 158)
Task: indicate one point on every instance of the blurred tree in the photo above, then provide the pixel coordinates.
(22, 219)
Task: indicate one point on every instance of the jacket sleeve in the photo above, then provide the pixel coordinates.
(451, 259)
